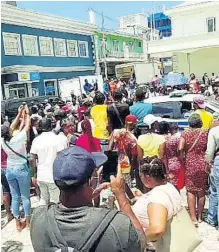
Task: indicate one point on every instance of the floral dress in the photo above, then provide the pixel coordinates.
(125, 143)
(196, 176)
(174, 164)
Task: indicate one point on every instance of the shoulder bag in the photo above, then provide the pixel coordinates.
(181, 234)
(195, 142)
(117, 114)
(90, 239)
(18, 154)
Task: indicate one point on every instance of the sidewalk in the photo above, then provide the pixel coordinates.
(12, 241)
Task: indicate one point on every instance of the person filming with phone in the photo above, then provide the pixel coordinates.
(17, 171)
(152, 210)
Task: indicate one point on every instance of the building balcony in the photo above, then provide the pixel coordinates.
(122, 56)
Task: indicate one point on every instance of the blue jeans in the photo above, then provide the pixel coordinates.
(19, 183)
(213, 211)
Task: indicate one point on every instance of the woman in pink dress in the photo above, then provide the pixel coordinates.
(194, 84)
(86, 140)
(192, 146)
(170, 156)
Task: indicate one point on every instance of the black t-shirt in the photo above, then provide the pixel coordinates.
(73, 224)
(123, 110)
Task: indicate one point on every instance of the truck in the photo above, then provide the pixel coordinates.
(144, 71)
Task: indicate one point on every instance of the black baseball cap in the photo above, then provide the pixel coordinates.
(73, 167)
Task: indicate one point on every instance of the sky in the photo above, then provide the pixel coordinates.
(79, 10)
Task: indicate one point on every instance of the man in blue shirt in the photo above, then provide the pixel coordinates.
(87, 87)
(140, 109)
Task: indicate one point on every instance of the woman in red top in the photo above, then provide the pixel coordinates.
(86, 140)
(194, 84)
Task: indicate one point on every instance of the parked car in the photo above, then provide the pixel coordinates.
(178, 106)
(10, 107)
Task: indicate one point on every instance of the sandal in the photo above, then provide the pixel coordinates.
(195, 223)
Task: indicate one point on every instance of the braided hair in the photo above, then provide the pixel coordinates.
(153, 167)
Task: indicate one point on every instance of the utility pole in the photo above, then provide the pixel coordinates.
(104, 48)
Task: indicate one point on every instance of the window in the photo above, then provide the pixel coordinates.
(17, 91)
(115, 45)
(72, 48)
(167, 110)
(12, 44)
(46, 47)
(139, 44)
(211, 24)
(30, 45)
(149, 24)
(50, 87)
(83, 49)
(60, 47)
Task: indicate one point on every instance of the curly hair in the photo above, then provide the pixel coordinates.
(195, 121)
(153, 167)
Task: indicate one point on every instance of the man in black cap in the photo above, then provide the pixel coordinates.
(75, 223)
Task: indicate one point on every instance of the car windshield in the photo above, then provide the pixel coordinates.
(168, 110)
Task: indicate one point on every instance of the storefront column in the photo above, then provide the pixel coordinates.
(188, 62)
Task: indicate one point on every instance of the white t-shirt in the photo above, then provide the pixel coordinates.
(166, 195)
(46, 146)
(17, 143)
(92, 126)
(63, 140)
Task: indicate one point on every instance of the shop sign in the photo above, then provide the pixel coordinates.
(23, 76)
(34, 76)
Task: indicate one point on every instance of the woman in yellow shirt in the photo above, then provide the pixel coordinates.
(99, 115)
(149, 143)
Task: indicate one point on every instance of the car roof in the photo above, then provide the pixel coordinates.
(166, 98)
(212, 104)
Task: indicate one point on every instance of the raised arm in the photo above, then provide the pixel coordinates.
(27, 119)
(14, 124)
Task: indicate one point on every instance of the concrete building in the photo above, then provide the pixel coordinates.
(113, 48)
(39, 50)
(126, 44)
(162, 23)
(194, 44)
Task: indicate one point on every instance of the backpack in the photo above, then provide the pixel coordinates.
(90, 239)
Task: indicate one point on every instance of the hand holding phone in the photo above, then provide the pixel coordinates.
(129, 192)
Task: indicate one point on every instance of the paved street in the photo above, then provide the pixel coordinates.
(13, 241)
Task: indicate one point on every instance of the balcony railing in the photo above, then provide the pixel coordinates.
(122, 55)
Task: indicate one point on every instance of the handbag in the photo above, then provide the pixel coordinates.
(181, 234)
(181, 179)
(195, 142)
(18, 154)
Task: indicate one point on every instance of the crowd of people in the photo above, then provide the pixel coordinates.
(67, 152)
(208, 86)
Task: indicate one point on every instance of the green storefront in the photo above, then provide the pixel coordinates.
(114, 48)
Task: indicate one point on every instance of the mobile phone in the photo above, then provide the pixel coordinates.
(129, 192)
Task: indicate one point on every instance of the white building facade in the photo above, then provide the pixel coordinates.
(194, 44)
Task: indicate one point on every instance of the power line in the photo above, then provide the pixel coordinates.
(102, 15)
